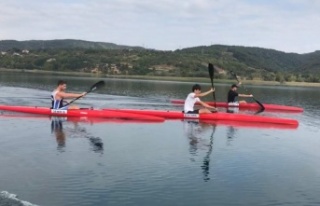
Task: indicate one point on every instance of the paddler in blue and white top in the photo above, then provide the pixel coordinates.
(193, 98)
(58, 95)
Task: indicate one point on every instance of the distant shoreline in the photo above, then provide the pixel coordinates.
(165, 78)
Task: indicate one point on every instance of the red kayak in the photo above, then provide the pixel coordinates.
(251, 106)
(211, 117)
(92, 113)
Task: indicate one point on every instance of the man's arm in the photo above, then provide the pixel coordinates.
(245, 95)
(204, 93)
(206, 105)
(70, 95)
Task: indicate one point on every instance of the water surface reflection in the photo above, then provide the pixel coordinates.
(75, 131)
(196, 132)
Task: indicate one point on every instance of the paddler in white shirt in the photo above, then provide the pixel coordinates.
(193, 98)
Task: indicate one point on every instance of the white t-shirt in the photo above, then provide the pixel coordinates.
(189, 102)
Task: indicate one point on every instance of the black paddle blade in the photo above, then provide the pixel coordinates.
(211, 71)
(258, 112)
(260, 104)
(235, 76)
(96, 86)
(211, 74)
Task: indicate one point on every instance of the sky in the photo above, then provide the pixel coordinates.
(285, 25)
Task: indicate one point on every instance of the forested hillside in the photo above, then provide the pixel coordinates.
(95, 57)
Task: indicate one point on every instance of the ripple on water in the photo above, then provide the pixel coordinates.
(144, 164)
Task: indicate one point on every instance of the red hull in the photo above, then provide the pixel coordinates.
(219, 116)
(251, 106)
(91, 113)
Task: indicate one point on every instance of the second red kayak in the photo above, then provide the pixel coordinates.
(213, 116)
(251, 106)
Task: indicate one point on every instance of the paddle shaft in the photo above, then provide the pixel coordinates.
(92, 88)
(75, 99)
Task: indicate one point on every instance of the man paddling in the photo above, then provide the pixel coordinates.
(232, 94)
(59, 94)
(193, 98)
(233, 105)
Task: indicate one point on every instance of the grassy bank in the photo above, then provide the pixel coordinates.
(164, 78)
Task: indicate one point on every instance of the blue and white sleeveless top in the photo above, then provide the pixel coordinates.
(55, 103)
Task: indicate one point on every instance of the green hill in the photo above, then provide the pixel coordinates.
(59, 44)
(84, 56)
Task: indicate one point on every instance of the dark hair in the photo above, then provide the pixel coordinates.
(61, 82)
(234, 85)
(196, 87)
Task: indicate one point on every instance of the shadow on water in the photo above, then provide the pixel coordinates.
(61, 133)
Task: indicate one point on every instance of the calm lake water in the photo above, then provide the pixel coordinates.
(170, 163)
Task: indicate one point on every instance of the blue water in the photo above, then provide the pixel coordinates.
(170, 163)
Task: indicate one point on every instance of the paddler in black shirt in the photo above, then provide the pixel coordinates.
(232, 94)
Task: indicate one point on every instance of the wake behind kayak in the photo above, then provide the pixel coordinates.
(7, 199)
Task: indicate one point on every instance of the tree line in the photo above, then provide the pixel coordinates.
(249, 63)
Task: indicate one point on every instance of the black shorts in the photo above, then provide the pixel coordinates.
(193, 112)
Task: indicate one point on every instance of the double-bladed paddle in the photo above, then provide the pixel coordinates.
(94, 87)
(211, 74)
(260, 104)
